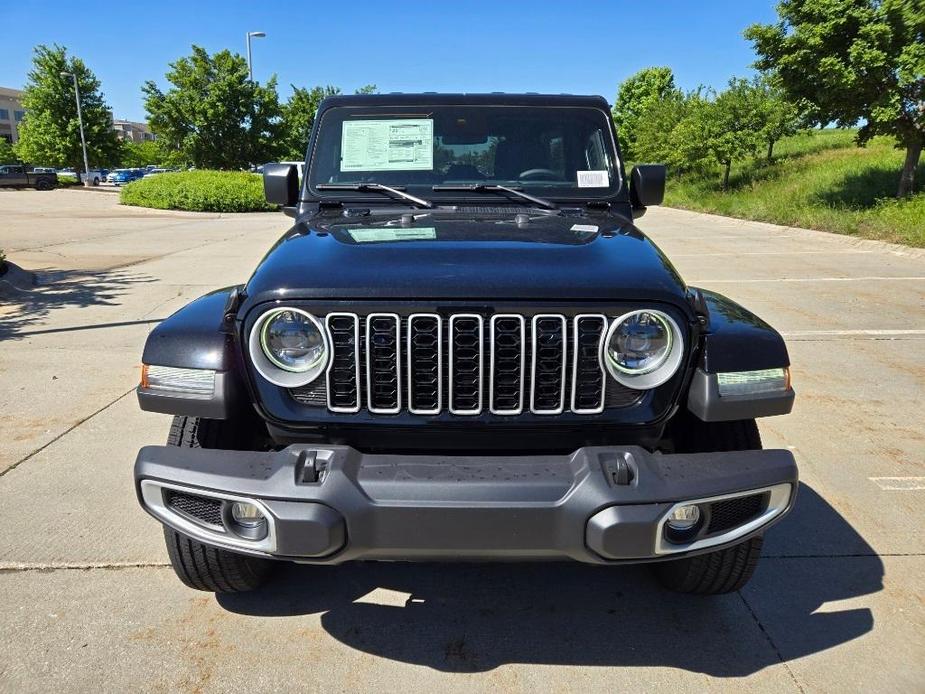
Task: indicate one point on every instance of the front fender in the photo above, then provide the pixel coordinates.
(196, 337)
(736, 340)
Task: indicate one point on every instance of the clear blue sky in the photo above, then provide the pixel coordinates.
(472, 46)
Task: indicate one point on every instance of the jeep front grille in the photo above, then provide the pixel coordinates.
(466, 364)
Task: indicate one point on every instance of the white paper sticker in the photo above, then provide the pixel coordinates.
(593, 179)
(373, 235)
(587, 228)
(404, 144)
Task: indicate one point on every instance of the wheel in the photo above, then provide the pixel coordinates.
(198, 565)
(96, 180)
(216, 570)
(43, 184)
(725, 570)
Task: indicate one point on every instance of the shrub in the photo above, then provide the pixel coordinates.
(198, 191)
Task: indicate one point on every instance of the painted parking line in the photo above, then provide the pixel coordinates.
(899, 484)
(736, 255)
(808, 279)
(853, 333)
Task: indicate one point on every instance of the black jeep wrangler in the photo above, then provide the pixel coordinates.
(465, 349)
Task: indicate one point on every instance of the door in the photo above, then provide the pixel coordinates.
(13, 176)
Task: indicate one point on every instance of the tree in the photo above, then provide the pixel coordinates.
(657, 137)
(636, 95)
(853, 60)
(136, 155)
(214, 116)
(299, 117)
(49, 135)
(7, 155)
(780, 117)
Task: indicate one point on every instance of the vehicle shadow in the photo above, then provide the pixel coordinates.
(23, 308)
(476, 617)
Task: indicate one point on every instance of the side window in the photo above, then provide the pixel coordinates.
(596, 152)
(19, 115)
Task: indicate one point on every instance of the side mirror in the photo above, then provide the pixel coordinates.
(647, 185)
(281, 184)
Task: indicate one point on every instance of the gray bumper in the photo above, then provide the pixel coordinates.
(420, 507)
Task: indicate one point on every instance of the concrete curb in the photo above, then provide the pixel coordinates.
(15, 279)
(830, 236)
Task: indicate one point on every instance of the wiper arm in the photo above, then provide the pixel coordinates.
(486, 188)
(388, 190)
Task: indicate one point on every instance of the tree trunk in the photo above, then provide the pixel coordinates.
(770, 151)
(726, 175)
(907, 178)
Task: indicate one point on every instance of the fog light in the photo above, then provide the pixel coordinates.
(684, 518)
(247, 515)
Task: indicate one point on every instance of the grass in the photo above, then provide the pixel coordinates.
(819, 180)
(198, 191)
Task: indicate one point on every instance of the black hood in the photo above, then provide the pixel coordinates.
(458, 255)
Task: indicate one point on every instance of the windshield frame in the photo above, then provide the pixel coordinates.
(615, 193)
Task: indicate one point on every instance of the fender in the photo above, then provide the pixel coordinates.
(736, 340)
(196, 337)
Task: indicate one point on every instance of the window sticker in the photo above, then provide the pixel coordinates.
(373, 235)
(405, 144)
(593, 179)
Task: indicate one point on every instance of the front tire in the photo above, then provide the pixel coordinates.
(202, 566)
(726, 570)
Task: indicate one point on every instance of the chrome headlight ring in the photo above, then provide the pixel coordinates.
(652, 376)
(271, 369)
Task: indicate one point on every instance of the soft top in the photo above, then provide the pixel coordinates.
(492, 99)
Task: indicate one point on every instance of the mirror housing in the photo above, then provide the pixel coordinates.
(647, 185)
(281, 184)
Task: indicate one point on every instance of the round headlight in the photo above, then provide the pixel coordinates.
(643, 349)
(289, 347)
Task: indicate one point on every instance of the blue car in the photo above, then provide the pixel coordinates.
(122, 176)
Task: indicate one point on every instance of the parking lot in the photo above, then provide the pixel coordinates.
(88, 602)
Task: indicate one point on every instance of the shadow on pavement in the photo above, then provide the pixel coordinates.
(56, 289)
(476, 617)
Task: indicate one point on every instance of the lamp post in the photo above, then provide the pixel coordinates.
(80, 120)
(254, 35)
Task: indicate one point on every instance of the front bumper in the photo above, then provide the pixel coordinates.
(330, 504)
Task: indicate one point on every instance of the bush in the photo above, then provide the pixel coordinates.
(198, 191)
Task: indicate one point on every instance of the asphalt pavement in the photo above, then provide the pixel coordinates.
(87, 601)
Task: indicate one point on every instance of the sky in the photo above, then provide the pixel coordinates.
(474, 46)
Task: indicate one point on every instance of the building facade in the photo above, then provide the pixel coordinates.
(11, 113)
(132, 131)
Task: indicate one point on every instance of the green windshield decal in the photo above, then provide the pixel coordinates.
(372, 235)
(405, 144)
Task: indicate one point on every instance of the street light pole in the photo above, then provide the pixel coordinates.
(80, 121)
(250, 65)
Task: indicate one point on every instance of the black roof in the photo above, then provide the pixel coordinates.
(491, 99)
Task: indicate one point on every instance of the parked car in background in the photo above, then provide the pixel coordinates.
(95, 176)
(120, 177)
(43, 169)
(16, 176)
(152, 172)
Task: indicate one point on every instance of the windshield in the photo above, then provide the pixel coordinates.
(553, 152)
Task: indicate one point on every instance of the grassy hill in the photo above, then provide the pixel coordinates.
(818, 180)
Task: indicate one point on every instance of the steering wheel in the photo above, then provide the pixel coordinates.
(541, 174)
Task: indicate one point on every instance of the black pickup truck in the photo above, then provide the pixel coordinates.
(18, 176)
(464, 348)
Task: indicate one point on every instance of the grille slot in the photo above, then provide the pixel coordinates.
(547, 387)
(383, 363)
(465, 358)
(589, 383)
(730, 513)
(506, 368)
(201, 508)
(425, 363)
(343, 375)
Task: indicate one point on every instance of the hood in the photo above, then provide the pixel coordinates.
(433, 255)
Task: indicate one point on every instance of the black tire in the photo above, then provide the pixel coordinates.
(201, 566)
(715, 573)
(726, 570)
(215, 570)
(43, 184)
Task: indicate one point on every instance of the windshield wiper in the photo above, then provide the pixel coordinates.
(492, 188)
(388, 190)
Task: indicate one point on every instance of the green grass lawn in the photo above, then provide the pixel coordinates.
(819, 180)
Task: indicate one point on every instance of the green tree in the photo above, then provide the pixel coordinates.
(298, 118)
(779, 116)
(214, 116)
(657, 135)
(853, 60)
(49, 135)
(637, 94)
(7, 155)
(139, 154)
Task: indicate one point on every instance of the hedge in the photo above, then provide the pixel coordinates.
(198, 191)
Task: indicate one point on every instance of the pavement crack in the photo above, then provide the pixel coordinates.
(859, 555)
(770, 641)
(64, 433)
